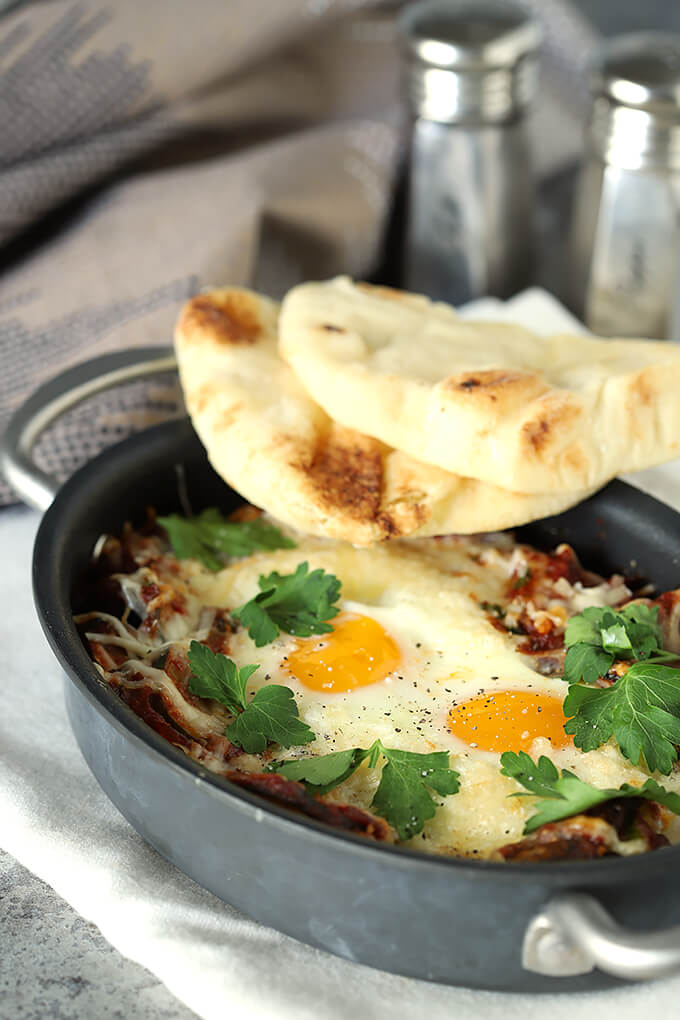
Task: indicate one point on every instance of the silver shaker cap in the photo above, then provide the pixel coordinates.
(469, 60)
(642, 71)
(635, 80)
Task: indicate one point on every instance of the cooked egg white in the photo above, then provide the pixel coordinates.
(414, 661)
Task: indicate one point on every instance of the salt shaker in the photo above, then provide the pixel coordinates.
(470, 70)
(624, 250)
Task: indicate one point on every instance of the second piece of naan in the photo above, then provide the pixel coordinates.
(491, 401)
(273, 444)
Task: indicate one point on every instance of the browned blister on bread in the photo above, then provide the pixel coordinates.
(278, 448)
(486, 400)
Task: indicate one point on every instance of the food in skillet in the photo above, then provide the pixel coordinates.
(464, 695)
(412, 691)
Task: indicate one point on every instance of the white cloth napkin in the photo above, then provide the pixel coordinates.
(55, 819)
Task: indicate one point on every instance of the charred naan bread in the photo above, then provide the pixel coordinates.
(269, 440)
(488, 401)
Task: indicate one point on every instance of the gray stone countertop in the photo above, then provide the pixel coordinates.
(54, 965)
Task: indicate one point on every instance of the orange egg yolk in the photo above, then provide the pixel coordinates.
(357, 653)
(509, 721)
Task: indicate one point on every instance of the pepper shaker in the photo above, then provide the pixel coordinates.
(625, 244)
(470, 69)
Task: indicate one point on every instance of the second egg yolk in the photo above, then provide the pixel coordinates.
(509, 721)
(358, 652)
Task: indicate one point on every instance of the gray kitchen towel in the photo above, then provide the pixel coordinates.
(151, 149)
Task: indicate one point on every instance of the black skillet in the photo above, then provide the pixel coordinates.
(523, 927)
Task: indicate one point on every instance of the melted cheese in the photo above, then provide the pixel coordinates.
(429, 599)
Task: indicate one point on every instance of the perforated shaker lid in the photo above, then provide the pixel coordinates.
(641, 71)
(468, 59)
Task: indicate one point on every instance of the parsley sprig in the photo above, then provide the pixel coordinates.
(298, 604)
(641, 710)
(563, 795)
(212, 539)
(270, 716)
(403, 796)
(599, 636)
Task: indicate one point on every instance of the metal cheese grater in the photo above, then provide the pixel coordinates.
(625, 244)
(470, 75)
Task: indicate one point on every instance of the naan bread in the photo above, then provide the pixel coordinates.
(489, 401)
(269, 440)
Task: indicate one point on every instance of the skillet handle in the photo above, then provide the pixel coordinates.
(58, 396)
(574, 934)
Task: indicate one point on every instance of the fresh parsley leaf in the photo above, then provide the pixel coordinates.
(566, 795)
(590, 708)
(212, 539)
(600, 635)
(538, 777)
(185, 539)
(641, 711)
(583, 628)
(258, 622)
(642, 626)
(642, 707)
(271, 715)
(587, 663)
(402, 797)
(615, 639)
(216, 676)
(324, 772)
(298, 603)
(570, 797)
(642, 635)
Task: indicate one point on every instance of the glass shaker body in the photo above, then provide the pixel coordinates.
(625, 237)
(470, 75)
(469, 226)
